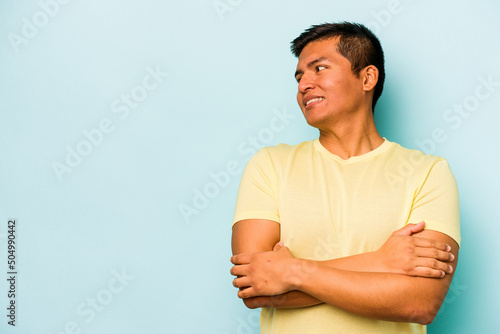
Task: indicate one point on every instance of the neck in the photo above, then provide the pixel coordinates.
(351, 137)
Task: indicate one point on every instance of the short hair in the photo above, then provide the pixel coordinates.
(357, 43)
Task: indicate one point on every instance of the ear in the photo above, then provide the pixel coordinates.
(370, 77)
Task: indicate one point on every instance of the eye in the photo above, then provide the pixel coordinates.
(320, 67)
(298, 78)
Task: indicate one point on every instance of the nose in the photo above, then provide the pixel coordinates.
(306, 82)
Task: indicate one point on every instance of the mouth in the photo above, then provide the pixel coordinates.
(309, 102)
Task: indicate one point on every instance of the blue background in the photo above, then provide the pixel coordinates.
(223, 72)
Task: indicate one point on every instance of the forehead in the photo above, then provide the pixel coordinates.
(326, 48)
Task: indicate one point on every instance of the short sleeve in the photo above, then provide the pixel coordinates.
(258, 195)
(437, 203)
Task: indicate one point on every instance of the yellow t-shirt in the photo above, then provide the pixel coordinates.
(328, 208)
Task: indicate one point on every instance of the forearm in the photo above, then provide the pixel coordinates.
(401, 255)
(296, 299)
(380, 262)
(382, 296)
(365, 262)
(292, 299)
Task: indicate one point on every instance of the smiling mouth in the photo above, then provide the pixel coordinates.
(314, 100)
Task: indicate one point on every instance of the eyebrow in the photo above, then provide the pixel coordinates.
(310, 64)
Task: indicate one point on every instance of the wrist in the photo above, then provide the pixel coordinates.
(299, 272)
(376, 262)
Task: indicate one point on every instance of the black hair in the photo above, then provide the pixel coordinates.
(357, 43)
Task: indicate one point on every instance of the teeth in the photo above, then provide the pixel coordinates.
(314, 100)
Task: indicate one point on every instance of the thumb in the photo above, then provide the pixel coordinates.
(409, 229)
(278, 246)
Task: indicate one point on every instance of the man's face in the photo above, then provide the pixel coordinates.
(328, 90)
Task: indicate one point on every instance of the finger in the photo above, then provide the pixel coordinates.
(434, 264)
(243, 258)
(278, 246)
(434, 253)
(409, 229)
(428, 272)
(259, 301)
(239, 270)
(241, 282)
(247, 293)
(424, 242)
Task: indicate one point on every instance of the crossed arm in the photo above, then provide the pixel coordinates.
(405, 280)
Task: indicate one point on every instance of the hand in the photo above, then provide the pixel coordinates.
(410, 255)
(264, 273)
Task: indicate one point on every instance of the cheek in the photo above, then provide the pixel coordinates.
(340, 90)
(299, 101)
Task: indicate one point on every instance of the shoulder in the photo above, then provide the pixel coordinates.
(415, 158)
(283, 152)
(411, 162)
(279, 158)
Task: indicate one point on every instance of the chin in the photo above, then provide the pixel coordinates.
(315, 123)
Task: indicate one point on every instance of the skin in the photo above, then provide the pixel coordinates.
(383, 296)
(401, 254)
(405, 280)
(344, 117)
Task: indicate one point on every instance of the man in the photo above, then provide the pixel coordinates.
(329, 235)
